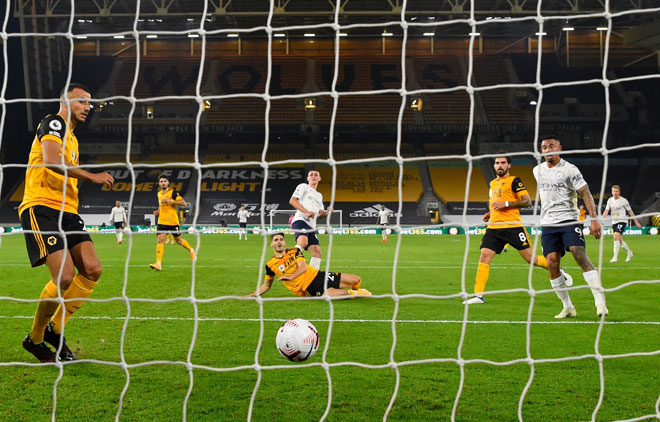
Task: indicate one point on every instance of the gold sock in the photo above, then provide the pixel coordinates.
(357, 286)
(482, 278)
(81, 288)
(45, 310)
(541, 261)
(186, 245)
(160, 250)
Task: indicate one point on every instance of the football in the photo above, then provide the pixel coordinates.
(297, 340)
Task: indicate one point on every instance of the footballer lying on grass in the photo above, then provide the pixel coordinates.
(302, 280)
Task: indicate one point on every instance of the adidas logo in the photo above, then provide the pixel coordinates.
(371, 211)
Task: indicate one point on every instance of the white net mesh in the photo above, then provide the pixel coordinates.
(265, 337)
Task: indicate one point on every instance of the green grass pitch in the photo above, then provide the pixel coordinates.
(228, 333)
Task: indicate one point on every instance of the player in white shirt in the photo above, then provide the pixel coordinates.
(383, 219)
(618, 206)
(308, 203)
(118, 219)
(559, 183)
(243, 215)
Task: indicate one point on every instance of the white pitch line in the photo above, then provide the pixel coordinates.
(388, 321)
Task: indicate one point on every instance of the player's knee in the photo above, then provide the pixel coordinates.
(92, 271)
(66, 279)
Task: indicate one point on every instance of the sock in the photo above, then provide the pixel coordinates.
(559, 285)
(160, 250)
(120, 235)
(593, 280)
(186, 245)
(299, 247)
(45, 311)
(625, 247)
(617, 245)
(541, 261)
(482, 278)
(81, 288)
(357, 286)
(315, 262)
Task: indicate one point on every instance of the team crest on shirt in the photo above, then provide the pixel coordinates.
(52, 240)
(559, 175)
(281, 268)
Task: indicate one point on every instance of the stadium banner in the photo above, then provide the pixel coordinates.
(360, 184)
(359, 230)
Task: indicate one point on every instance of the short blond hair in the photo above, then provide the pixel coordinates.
(616, 187)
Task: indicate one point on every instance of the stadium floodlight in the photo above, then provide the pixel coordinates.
(343, 34)
(193, 35)
(279, 35)
(152, 36)
(119, 37)
(601, 28)
(387, 34)
(81, 37)
(310, 34)
(310, 104)
(541, 33)
(190, 20)
(568, 28)
(81, 20)
(474, 34)
(232, 35)
(533, 103)
(429, 34)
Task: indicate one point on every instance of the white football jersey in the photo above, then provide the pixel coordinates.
(243, 216)
(383, 214)
(311, 200)
(558, 188)
(118, 214)
(619, 209)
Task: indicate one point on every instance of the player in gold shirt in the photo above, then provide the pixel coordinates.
(52, 170)
(290, 267)
(507, 195)
(168, 220)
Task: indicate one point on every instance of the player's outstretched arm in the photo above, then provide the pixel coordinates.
(324, 213)
(268, 283)
(51, 152)
(591, 208)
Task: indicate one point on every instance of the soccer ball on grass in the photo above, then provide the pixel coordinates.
(297, 340)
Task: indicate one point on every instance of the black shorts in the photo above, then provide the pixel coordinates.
(619, 227)
(173, 230)
(315, 288)
(119, 224)
(44, 220)
(300, 225)
(560, 239)
(496, 239)
(242, 225)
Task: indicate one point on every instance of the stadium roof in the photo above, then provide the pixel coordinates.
(106, 16)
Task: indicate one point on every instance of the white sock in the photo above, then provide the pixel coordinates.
(593, 280)
(559, 285)
(315, 262)
(617, 246)
(120, 235)
(299, 247)
(625, 247)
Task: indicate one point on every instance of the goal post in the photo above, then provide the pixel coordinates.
(331, 217)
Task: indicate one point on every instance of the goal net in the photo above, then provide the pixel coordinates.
(447, 88)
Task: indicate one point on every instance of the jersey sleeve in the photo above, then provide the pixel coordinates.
(518, 187)
(51, 128)
(607, 207)
(535, 171)
(576, 180)
(299, 255)
(300, 191)
(270, 275)
(175, 195)
(626, 206)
